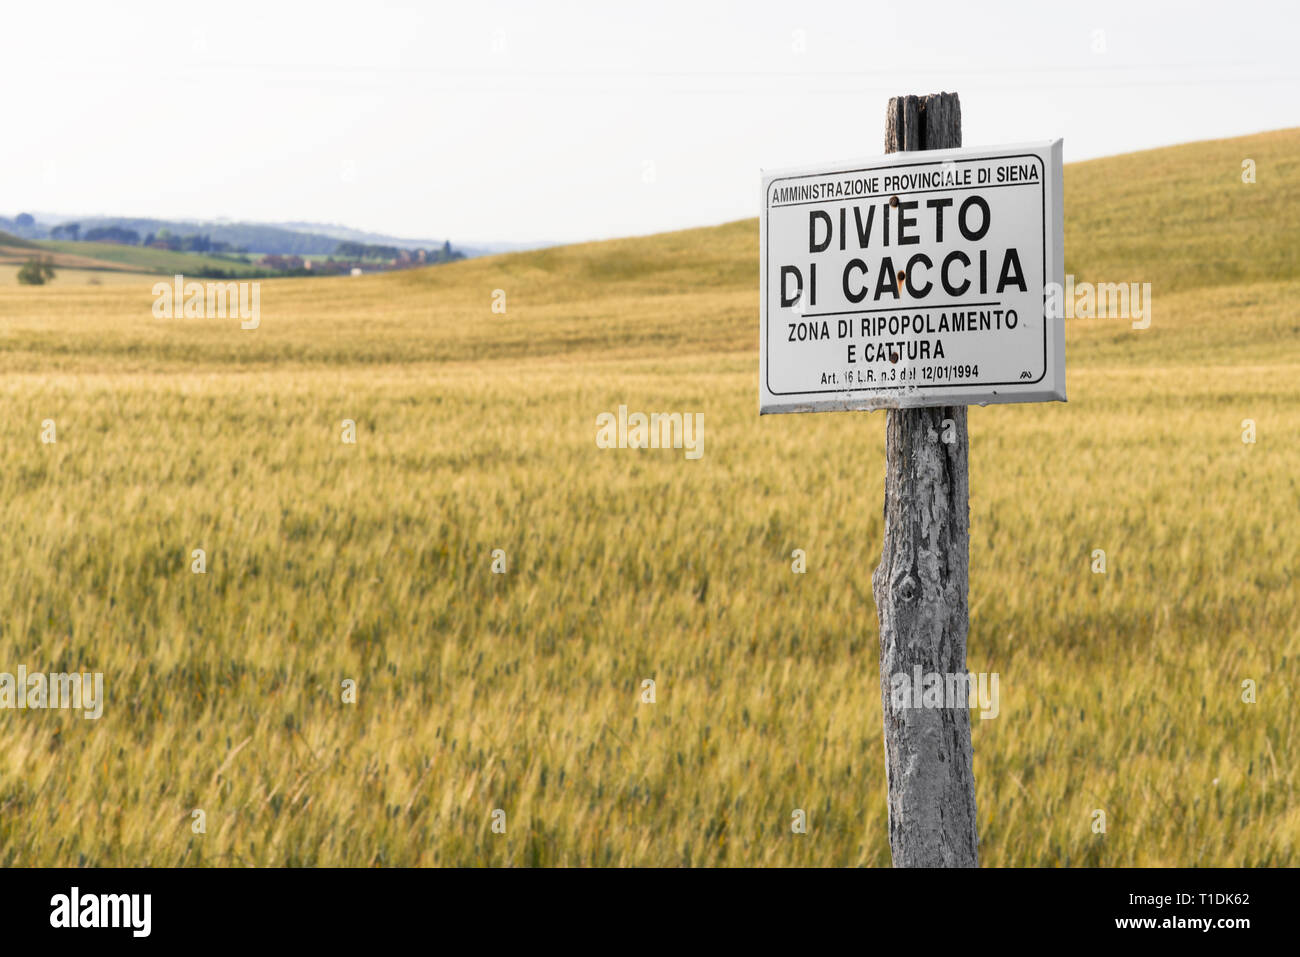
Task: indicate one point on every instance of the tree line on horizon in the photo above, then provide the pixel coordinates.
(235, 239)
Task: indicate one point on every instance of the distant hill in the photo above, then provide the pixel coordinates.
(116, 256)
(382, 239)
(284, 239)
(14, 242)
(335, 231)
(254, 237)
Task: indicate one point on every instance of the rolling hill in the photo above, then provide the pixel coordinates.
(147, 259)
(9, 241)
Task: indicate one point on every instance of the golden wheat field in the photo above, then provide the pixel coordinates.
(372, 562)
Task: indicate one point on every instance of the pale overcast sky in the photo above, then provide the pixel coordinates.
(567, 121)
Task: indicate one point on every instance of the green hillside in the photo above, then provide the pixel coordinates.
(7, 239)
(147, 259)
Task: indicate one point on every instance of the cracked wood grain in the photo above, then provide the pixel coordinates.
(920, 586)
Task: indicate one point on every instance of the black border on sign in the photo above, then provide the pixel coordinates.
(767, 210)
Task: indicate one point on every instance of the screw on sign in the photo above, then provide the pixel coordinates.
(919, 285)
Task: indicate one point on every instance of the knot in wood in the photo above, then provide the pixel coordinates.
(906, 590)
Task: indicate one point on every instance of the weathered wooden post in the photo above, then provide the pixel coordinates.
(920, 283)
(921, 584)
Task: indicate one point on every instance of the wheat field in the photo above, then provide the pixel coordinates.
(372, 562)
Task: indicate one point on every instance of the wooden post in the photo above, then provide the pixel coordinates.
(921, 584)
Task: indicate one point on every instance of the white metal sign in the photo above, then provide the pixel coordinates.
(913, 279)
